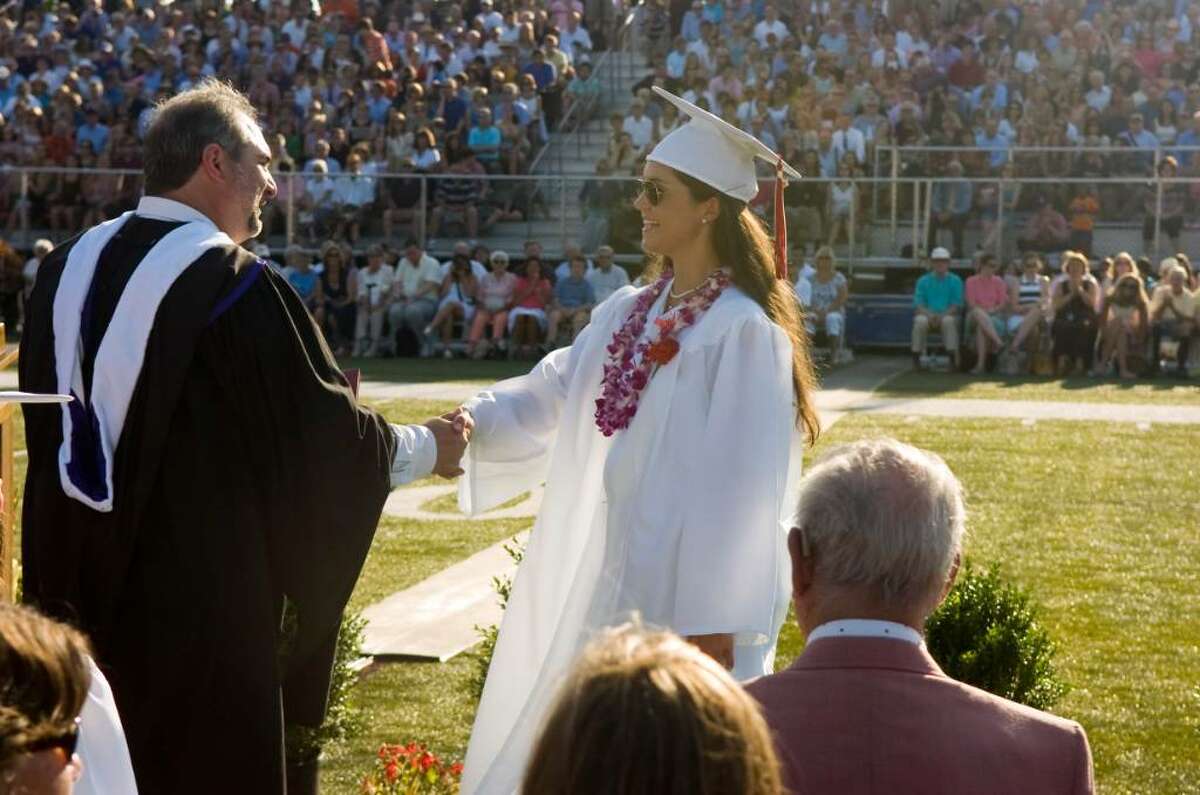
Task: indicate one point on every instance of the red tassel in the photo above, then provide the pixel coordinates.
(781, 244)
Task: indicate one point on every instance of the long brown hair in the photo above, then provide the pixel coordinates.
(646, 713)
(744, 247)
(44, 679)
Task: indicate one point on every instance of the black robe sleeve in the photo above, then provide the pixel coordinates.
(324, 465)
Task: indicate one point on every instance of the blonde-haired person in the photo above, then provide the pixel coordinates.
(1124, 324)
(1074, 300)
(646, 713)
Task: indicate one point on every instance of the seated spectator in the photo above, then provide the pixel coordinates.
(339, 288)
(307, 282)
(597, 199)
(1074, 300)
(414, 296)
(527, 308)
(938, 302)
(456, 302)
(1173, 315)
(1046, 231)
(583, 92)
(318, 207)
(1168, 216)
(987, 310)
(570, 251)
(1083, 209)
(493, 297)
(806, 201)
(1029, 295)
(375, 289)
(354, 198)
(644, 681)
(950, 207)
(426, 156)
(843, 196)
(997, 204)
(400, 198)
(457, 197)
(876, 545)
(484, 140)
(640, 127)
(1124, 327)
(573, 301)
(825, 306)
(463, 248)
(607, 277)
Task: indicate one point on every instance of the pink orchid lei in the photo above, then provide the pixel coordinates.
(630, 363)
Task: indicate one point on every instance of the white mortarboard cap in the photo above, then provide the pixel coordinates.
(714, 151)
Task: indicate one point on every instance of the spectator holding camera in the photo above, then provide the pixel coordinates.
(1124, 327)
(1074, 300)
(456, 302)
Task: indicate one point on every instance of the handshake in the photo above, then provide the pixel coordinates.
(452, 432)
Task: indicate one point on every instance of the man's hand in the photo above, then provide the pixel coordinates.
(719, 647)
(451, 432)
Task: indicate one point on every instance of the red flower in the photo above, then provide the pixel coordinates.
(392, 771)
(427, 760)
(456, 769)
(663, 351)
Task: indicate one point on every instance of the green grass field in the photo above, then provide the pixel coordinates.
(1081, 516)
(1098, 522)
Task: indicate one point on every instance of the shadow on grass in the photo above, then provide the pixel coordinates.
(1081, 389)
(426, 371)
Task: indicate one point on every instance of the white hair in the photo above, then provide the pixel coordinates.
(884, 516)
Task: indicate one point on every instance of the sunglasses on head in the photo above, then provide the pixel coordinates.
(66, 742)
(651, 190)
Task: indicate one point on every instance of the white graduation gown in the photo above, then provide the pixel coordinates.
(680, 517)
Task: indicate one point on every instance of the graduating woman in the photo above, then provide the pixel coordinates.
(669, 437)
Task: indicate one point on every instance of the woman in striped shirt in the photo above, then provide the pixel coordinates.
(1029, 293)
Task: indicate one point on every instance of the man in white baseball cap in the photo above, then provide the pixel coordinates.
(937, 304)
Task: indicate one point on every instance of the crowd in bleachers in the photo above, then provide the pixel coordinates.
(345, 89)
(406, 302)
(829, 83)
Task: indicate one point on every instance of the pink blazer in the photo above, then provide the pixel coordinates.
(868, 716)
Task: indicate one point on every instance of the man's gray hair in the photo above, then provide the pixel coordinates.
(212, 112)
(885, 516)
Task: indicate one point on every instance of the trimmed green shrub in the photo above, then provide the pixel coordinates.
(987, 634)
(481, 656)
(342, 718)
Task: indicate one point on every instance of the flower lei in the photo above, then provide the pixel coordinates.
(630, 363)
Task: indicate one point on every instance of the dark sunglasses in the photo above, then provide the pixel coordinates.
(651, 190)
(67, 741)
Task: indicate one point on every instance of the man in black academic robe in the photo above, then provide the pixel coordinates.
(245, 474)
